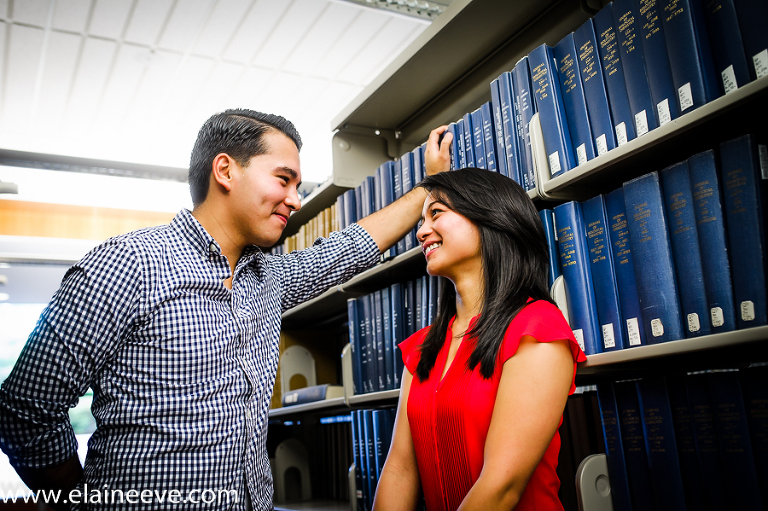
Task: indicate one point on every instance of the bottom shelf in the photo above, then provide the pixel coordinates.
(314, 505)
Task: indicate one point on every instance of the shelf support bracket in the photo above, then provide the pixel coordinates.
(391, 136)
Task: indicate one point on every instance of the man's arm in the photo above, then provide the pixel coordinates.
(391, 223)
(61, 478)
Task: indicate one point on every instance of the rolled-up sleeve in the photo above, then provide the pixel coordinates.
(328, 262)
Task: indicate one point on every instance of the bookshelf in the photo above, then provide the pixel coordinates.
(445, 73)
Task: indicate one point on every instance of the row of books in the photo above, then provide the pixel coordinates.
(688, 441)
(379, 321)
(371, 437)
(671, 254)
(322, 225)
(636, 65)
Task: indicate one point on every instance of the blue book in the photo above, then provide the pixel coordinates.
(357, 452)
(739, 474)
(690, 56)
(627, 23)
(595, 93)
(312, 393)
(359, 202)
(752, 15)
(710, 226)
(419, 164)
(382, 434)
(378, 333)
(549, 103)
(387, 195)
(547, 217)
(369, 195)
(633, 440)
(613, 73)
(624, 268)
(398, 328)
(489, 137)
(509, 128)
(397, 192)
(603, 276)
(498, 132)
(657, 66)
(389, 352)
(409, 308)
(370, 366)
(731, 69)
(462, 163)
(371, 475)
(754, 386)
(354, 342)
(614, 450)
(469, 146)
(424, 303)
(684, 239)
(418, 286)
(579, 291)
(478, 139)
(652, 255)
(433, 294)
(350, 207)
(660, 445)
(407, 164)
(457, 150)
(526, 109)
(575, 105)
(745, 209)
(686, 445)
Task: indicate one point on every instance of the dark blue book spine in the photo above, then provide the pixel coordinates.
(372, 479)
(727, 47)
(462, 162)
(381, 357)
(652, 255)
(686, 444)
(354, 342)
(456, 148)
(397, 189)
(358, 202)
(489, 137)
(370, 369)
(398, 329)
(509, 127)
(418, 287)
(526, 109)
(424, 304)
(574, 259)
(614, 450)
(387, 192)
(754, 386)
(386, 326)
(630, 422)
(705, 439)
(406, 178)
(350, 207)
(498, 132)
(409, 306)
(380, 434)
(739, 474)
(357, 454)
(369, 200)
(752, 15)
(744, 194)
(690, 57)
(549, 103)
(624, 268)
(613, 73)
(547, 217)
(660, 444)
(478, 139)
(657, 60)
(684, 239)
(419, 164)
(469, 146)
(377, 191)
(627, 23)
(713, 247)
(574, 103)
(603, 276)
(433, 298)
(595, 93)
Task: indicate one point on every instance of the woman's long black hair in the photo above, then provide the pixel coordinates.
(514, 258)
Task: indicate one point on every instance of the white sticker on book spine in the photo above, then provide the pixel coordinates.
(663, 110)
(762, 151)
(554, 163)
(686, 97)
(747, 310)
(633, 328)
(608, 339)
(657, 327)
(761, 63)
(729, 79)
(717, 316)
(579, 335)
(621, 134)
(581, 153)
(602, 145)
(641, 123)
(694, 325)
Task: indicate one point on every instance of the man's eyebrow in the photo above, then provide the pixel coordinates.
(290, 172)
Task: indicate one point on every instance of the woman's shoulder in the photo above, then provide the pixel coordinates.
(410, 348)
(541, 320)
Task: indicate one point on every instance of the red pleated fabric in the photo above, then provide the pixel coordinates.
(449, 419)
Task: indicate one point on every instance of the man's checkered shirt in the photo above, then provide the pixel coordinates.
(182, 368)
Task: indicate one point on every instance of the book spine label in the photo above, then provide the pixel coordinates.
(498, 131)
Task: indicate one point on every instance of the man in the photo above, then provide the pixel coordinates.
(176, 330)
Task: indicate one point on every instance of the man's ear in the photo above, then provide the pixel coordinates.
(222, 168)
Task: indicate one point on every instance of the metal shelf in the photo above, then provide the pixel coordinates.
(327, 405)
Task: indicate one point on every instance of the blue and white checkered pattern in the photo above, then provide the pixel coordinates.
(182, 368)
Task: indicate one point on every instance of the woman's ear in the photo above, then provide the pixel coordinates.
(221, 172)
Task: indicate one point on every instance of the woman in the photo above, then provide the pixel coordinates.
(484, 387)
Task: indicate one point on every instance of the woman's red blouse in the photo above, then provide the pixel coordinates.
(449, 419)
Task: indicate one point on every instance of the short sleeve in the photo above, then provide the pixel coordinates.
(410, 349)
(544, 322)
